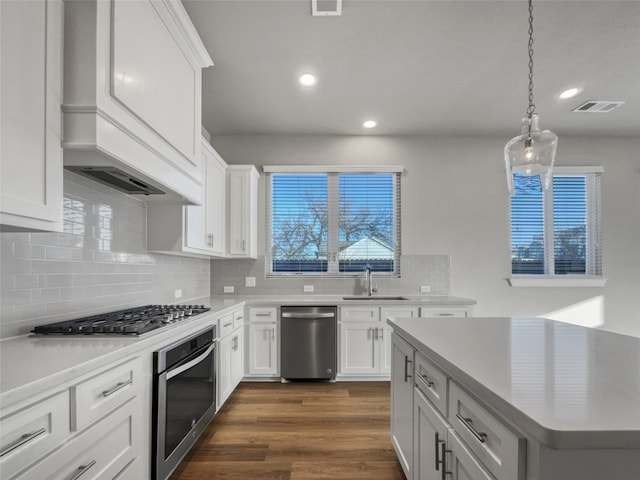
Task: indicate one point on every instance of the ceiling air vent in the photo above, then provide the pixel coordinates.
(323, 8)
(597, 106)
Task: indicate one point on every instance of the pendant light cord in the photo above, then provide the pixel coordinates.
(532, 108)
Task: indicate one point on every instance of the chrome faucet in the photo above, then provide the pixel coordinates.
(368, 276)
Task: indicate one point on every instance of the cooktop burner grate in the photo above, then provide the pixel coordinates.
(132, 321)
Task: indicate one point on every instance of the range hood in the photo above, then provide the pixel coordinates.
(116, 178)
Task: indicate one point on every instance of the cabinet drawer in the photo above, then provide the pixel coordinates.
(103, 451)
(31, 433)
(225, 326)
(263, 314)
(360, 314)
(498, 447)
(432, 382)
(238, 319)
(102, 393)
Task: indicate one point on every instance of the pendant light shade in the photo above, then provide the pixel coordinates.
(533, 152)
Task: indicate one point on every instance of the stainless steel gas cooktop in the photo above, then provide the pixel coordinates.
(132, 321)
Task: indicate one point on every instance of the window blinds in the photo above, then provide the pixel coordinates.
(332, 223)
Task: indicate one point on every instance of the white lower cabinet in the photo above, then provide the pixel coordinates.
(230, 355)
(107, 450)
(263, 340)
(402, 403)
(263, 349)
(438, 451)
(90, 429)
(365, 339)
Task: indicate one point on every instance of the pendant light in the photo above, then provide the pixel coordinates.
(533, 152)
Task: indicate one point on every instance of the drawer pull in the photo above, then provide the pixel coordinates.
(480, 436)
(82, 469)
(119, 386)
(425, 380)
(446, 314)
(406, 368)
(443, 453)
(268, 314)
(27, 437)
(227, 324)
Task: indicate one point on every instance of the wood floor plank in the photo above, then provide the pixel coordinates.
(297, 431)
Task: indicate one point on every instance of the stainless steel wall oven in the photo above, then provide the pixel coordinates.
(184, 398)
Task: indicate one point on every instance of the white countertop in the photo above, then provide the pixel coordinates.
(33, 363)
(311, 299)
(568, 386)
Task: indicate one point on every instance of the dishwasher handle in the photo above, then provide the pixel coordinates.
(308, 315)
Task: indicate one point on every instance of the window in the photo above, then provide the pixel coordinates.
(332, 222)
(557, 232)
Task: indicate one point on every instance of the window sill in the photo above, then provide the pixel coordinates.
(556, 281)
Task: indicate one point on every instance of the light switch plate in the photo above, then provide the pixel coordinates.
(249, 281)
(308, 288)
(425, 288)
(178, 293)
(228, 289)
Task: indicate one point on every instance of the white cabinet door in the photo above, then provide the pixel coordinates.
(429, 440)
(263, 349)
(195, 230)
(31, 88)
(237, 358)
(205, 224)
(402, 403)
(359, 348)
(242, 212)
(224, 369)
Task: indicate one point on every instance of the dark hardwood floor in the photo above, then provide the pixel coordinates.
(298, 431)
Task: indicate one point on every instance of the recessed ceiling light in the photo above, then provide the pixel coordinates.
(369, 124)
(570, 93)
(308, 80)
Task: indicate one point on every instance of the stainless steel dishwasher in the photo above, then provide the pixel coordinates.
(309, 343)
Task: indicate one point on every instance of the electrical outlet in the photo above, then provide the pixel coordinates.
(308, 288)
(228, 289)
(178, 293)
(425, 288)
(249, 281)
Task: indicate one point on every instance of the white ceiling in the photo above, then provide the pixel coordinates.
(418, 67)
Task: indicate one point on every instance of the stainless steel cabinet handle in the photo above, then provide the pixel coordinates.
(381, 333)
(437, 451)
(308, 315)
(267, 314)
(273, 334)
(172, 373)
(375, 333)
(27, 437)
(425, 379)
(406, 368)
(443, 454)
(117, 387)
(446, 314)
(82, 469)
(243, 245)
(227, 324)
(467, 422)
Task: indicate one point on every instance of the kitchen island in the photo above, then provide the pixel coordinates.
(567, 396)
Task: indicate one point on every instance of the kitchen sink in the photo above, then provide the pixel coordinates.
(374, 297)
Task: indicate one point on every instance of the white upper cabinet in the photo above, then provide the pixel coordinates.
(242, 214)
(31, 82)
(193, 230)
(132, 93)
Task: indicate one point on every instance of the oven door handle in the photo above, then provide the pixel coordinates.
(189, 364)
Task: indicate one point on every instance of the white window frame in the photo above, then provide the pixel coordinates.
(332, 260)
(550, 279)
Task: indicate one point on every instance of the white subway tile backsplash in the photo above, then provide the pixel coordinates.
(100, 263)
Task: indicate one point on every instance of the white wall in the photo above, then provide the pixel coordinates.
(455, 201)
